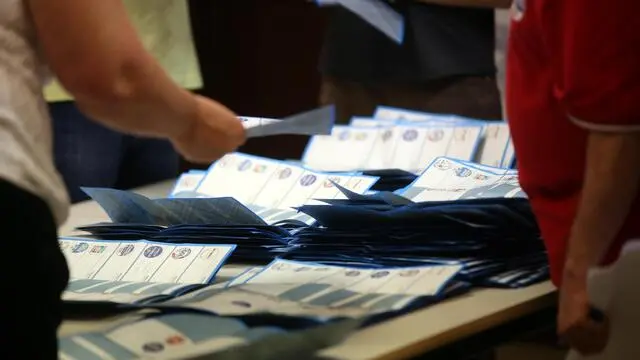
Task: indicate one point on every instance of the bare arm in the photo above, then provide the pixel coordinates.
(610, 188)
(471, 3)
(95, 52)
(600, 94)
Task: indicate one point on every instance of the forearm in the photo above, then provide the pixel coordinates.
(609, 190)
(141, 100)
(471, 3)
(97, 56)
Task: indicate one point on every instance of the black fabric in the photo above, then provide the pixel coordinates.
(33, 275)
(440, 42)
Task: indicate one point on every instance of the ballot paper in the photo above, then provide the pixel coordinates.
(614, 291)
(452, 179)
(496, 147)
(405, 146)
(138, 271)
(314, 122)
(187, 182)
(204, 336)
(271, 184)
(318, 291)
(126, 207)
(377, 13)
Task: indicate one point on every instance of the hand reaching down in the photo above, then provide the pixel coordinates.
(214, 132)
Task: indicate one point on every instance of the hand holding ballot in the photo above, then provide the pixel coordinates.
(213, 132)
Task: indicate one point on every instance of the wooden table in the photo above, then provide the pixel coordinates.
(400, 338)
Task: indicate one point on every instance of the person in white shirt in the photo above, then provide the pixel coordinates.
(95, 53)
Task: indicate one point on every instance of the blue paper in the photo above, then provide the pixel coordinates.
(314, 122)
(377, 13)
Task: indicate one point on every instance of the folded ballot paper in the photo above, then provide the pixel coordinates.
(377, 13)
(407, 140)
(188, 335)
(288, 303)
(138, 271)
(238, 189)
(314, 122)
(323, 292)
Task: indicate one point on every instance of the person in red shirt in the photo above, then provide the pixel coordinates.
(573, 105)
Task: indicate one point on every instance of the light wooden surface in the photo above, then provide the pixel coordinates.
(399, 338)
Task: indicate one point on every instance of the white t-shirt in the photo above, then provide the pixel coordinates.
(26, 146)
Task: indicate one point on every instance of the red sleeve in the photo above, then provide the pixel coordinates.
(601, 63)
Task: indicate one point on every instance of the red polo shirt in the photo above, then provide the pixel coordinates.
(573, 66)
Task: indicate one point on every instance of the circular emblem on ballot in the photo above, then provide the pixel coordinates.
(245, 165)
(435, 135)
(152, 251)
(442, 164)
(126, 250)
(80, 247)
(284, 173)
(308, 180)
(181, 253)
(463, 172)
(410, 135)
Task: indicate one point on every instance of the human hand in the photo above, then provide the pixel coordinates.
(576, 324)
(214, 132)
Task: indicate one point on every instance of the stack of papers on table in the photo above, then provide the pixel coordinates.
(324, 292)
(454, 211)
(238, 189)
(407, 140)
(255, 244)
(389, 214)
(138, 271)
(188, 335)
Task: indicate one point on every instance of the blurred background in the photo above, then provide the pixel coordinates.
(265, 62)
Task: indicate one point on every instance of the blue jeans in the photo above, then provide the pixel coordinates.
(91, 155)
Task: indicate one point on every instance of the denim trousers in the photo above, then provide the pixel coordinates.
(87, 154)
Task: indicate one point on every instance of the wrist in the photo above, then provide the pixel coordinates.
(575, 270)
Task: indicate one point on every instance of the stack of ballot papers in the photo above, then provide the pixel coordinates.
(455, 211)
(389, 214)
(238, 189)
(188, 335)
(324, 292)
(255, 244)
(242, 200)
(406, 140)
(260, 303)
(138, 271)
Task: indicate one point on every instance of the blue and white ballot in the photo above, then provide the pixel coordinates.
(495, 150)
(314, 122)
(406, 146)
(203, 336)
(133, 271)
(275, 184)
(451, 179)
(377, 13)
(321, 291)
